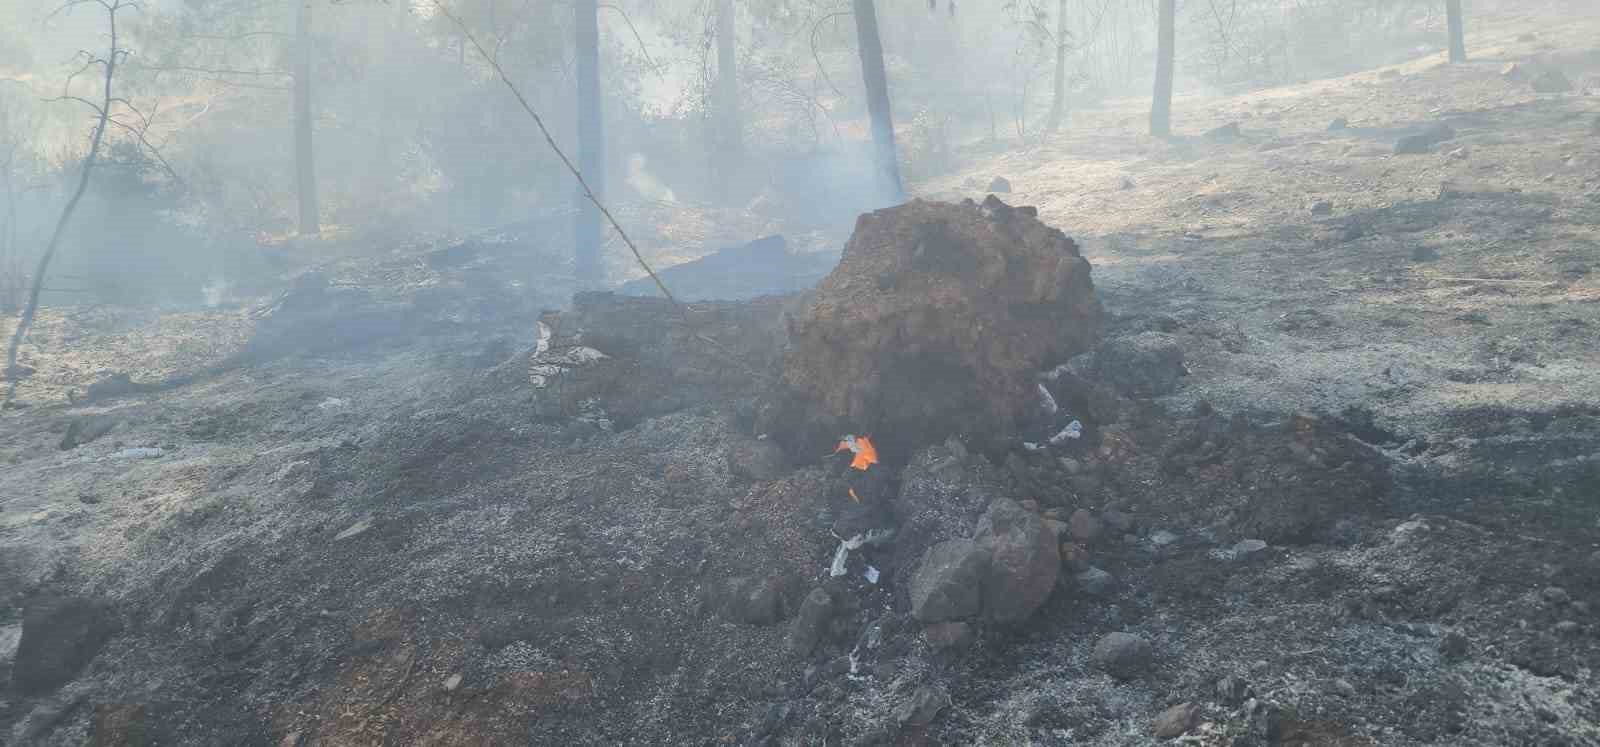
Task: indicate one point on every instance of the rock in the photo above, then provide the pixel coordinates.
(1095, 581)
(948, 581)
(1263, 723)
(1122, 655)
(1058, 528)
(753, 600)
(1228, 131)
(922, 707)
(1322, 207)
(1148, 364)
(1162, 538)
(1339, 123)
(1177, 721)
(1248, 547)
(756, 459)
(60, 635)
(1424, 141)
(979, 299)
(1551, 81)
(1000, 185)
(809, 625)
(452, 683)
(121, 725)
(1232, 690)
(1424, 253)
(1127, 184)
(949, 635)
(1341, 687)
(1514, 71)
(1568, 627)
(1083, 527)
(1555, 596)
(87, 428)
(1118, 520)
(1023, 564)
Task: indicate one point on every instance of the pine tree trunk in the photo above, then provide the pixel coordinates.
(1058, 105)
(877, 84)
(591, 153)
(729, 123)
(1458, 41)
(1161, 107)
(304, 161)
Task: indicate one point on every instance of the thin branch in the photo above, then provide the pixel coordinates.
(818, 57)
(647, 58)
(551, 141)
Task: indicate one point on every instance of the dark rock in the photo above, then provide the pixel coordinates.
(87, 428)
(116, 385)
(1229, 131)
(1177, 721)
(1322, 207)
(121, 725)
(1122, 655)
(1082, 526)
(1569, 627)
(1424, 253)
(1118, 520)
(1023, 564)
(60, 635)
(1148, 364)
(1000, 185)
(756, 459)
(1555, 596)
(1424, 141)
(922, 707)
(948, 582)
(810, 624)
(753, 600)
(1232, 690)
(1263, 724)
(949, 635)
(1339, 123)
(983, 298)
(1551, 81)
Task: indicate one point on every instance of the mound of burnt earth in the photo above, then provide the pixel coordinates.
(936, 322)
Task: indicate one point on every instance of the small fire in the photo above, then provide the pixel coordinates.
(861, 446)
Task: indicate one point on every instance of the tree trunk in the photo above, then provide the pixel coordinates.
(729, 124)
(1458, 41)
(1161, 107)
(304, 161)
(591, 152)
(877, 84)
(1058, 105)
(12, 372)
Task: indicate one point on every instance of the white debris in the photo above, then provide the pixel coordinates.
(547, 365)
(333, 403)
(1072, 432)
(1047, 401)
(1249, 546)
(543, 345)
(872, 575)
(1163, 538)
(842, 555)
(452, 682)
(354, 529)
(139, 452)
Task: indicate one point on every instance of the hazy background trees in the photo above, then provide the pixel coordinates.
(271, 121)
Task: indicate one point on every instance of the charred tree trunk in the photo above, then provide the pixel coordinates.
(1058, 105)
(729, 124)
(304, 159)
(591, 144)
(1458, 41)
(877, 84)
(1161, 106)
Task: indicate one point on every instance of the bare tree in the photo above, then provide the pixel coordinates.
(304, 160)
(729, 122)
(1458, 42)
(877, 84)
(1161, 107)
(102, 111)
(1058, 104)
(591, 143)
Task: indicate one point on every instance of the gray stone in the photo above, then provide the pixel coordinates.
(1148, 364)
(1322, 207)
(1555, 595)
(1177, 720)
(1228, 131)
(756, 459)
(1122, 655)
(1424, 141)
(1023, 564)
(1249, 547)
(1162, 538)
(1340, 123)
(1232, 690)
(949, 635)
(815, 612)
(60, 635)
(1095, 581)
(753, 600)
(1083, 526)
(948, 581)
(922, 707)
(1551, 81)
(1000, 185)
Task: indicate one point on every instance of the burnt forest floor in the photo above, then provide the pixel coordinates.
(362, 529)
